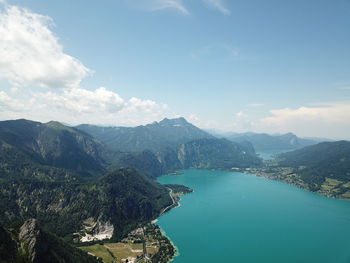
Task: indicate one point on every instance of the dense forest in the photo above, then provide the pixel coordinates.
(317, 162)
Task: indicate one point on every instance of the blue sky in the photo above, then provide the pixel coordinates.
(240, 65)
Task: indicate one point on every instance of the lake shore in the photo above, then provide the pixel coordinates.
(230, 203)
(330, 187)
(175, 191)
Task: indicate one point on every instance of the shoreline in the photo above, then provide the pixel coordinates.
(294, 180)
(174, 195)
(176, 249)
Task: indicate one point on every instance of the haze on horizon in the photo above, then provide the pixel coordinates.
(262, 66)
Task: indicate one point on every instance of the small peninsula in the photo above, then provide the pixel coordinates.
(146, 243)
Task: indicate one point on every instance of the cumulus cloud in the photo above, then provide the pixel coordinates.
(328, 120)
(31, 57)
(7, 103)
(31, 54)
(219, 5)
(80, 100)
(75, 106)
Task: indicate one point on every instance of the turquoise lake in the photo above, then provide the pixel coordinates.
(241, 218)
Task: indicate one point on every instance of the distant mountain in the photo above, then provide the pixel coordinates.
(266, 142)
(25, 143)
(317, 162)
(216, 154)
(318, 139)
(169, 145)
(117, 201)
(31, 244)
(201, 154)
(155, 136)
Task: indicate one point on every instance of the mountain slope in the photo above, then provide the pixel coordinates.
(32, 244)
(264, 142)
(155, 136)
(170, 145)
(202, 154)
(215, 154)
(317, 162)
(48, 144)
(120, 200)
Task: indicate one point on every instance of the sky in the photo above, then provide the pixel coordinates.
(271, 66)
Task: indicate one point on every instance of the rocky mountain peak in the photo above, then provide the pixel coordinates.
(176, 121)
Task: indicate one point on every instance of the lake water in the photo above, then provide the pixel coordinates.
(241, 218)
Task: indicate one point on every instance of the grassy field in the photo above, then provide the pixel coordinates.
(99, 251)
(117, 251)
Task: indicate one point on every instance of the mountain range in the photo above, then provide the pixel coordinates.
(90, 182)
(169, 145)
(68, 178)
(154, 136)
(266, 142)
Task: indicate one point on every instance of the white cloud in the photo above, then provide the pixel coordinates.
(10, 104)
(170, 4)
(80, 100)
(330, 120)
(157, 5)
(30, 57)
(75, 106)
(219, 5)
(30, 52)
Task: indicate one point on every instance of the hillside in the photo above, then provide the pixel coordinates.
(117, 201)
(215, 154)
(323, 168)
(169, 145)
(320, 161)
(155, 136)
(265, 142)
(201, 154)
(30, 244)
(43, 145)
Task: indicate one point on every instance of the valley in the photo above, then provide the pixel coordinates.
(101, 194)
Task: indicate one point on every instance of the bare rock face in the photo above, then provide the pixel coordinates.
(100, 231)
(30, 239)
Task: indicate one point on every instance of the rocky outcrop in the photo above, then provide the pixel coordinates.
(30, 238)
(30, 244)
(97, 231)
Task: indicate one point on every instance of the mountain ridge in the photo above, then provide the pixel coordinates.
(266, 142)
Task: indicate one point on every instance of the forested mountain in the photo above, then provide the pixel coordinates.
(172, 144)
(155, 136)
(202, 154)
(264, 142)
(28, 147)
(30, 244)
(317, 162)
(56, 174)
(120, 199)
(81, 189)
